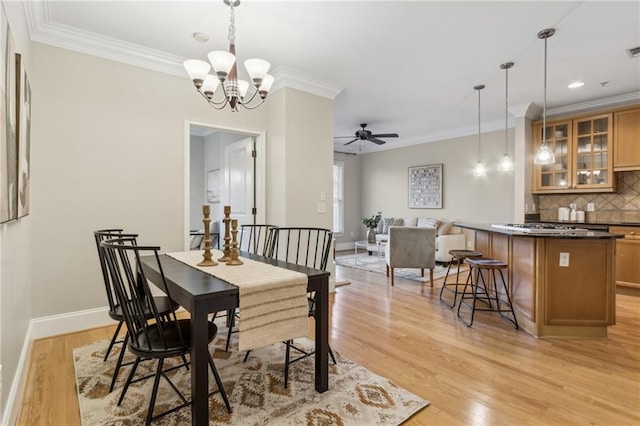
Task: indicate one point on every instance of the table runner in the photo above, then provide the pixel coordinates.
(273, 301)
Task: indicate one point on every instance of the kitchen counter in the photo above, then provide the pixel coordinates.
(586, 224)
(561, 284)
(566, 234)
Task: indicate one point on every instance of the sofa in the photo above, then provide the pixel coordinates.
(448, 237)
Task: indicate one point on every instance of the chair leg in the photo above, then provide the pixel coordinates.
(333, 358)
(113, 340)
(154, 392)
(392, 277)
(232, 322)
(286, 364)
(128, 382)
(246, 356)
(119, 363)
(387, 270)
(219, 383)
(422, 272)
(431, 276)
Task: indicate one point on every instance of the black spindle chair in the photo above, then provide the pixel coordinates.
(150, 336)
(305, 246)
(163, 303)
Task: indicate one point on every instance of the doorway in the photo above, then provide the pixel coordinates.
(224, 166)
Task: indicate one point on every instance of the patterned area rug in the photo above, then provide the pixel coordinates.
(256, 391)
(372, 263)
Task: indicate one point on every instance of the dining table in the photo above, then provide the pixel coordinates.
(201, 294)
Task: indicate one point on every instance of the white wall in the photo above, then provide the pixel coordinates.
(354, 230)
(490, 199)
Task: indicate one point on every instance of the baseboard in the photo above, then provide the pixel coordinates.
(70, 322)
(14, 399)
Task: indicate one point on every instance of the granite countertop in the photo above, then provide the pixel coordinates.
(569, 222)
(569, 234)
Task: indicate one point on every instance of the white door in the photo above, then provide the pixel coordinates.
(239, 183)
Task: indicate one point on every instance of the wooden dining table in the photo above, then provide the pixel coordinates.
(202, 294)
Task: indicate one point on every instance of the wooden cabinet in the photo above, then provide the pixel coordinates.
(626, 134)
(583, 155)
(627, 256)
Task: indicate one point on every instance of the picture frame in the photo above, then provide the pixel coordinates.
(425, 187)
(8, 140)
(23, 137)
(213, 186)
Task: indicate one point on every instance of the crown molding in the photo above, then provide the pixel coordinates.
(602, 103)
(43, 30)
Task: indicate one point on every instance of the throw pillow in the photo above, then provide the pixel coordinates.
(390, 221)
(428, 222)
(444, 228)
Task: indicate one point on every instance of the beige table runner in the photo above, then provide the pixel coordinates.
(273, 301)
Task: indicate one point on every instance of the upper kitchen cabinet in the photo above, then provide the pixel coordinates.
(626, 136)
(583, 149)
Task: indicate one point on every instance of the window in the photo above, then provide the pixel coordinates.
(338, 201)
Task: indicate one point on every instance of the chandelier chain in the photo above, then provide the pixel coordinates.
(232, 25)
(506, 111)
(479, 144)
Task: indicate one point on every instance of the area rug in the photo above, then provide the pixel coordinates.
(256, 391)
(373, 263)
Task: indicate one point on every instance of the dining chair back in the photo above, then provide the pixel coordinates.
(255, 238)
(151, 333)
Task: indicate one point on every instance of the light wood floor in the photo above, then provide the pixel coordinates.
(487, 374)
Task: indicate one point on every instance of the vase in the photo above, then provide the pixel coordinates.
(371, 236)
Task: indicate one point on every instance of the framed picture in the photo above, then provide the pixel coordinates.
(213, 186)
(23, 136)
(8, 140)
(425, 187)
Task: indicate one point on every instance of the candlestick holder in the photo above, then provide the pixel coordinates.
(227, 246)
(207, 260)
(234, 245)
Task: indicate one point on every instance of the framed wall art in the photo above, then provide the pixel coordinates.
(23, 136)
(425, 187)
(213, 186)
(8, 140)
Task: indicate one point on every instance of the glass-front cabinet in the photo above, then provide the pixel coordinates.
(583, 160)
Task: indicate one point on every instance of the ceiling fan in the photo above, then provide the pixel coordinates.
(366, 135)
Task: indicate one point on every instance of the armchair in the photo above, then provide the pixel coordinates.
(411, 247)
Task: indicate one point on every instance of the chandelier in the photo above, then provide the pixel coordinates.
(479, 170)
(506, 163)
(226, 74)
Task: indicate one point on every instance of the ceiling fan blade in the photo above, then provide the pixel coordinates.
(356, 139)
(342, 137)
(385, 135)
(374, 140)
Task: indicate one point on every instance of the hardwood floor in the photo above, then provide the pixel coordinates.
(487, 374)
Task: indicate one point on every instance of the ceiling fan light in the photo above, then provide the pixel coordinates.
(544, 156)
(222, 62)
(197, 70)
(257, 69)
(506, 164)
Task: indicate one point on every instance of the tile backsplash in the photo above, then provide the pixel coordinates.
(623, 206)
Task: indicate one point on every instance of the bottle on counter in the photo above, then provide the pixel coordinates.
(573, 215)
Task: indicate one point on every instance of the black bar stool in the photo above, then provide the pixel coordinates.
(480, 291)
(457, 256)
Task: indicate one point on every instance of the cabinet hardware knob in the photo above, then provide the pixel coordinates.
(632, 233)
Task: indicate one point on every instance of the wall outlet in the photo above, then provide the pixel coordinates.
(323, 195)
(564, 259)
(322, 207)
(591, 207)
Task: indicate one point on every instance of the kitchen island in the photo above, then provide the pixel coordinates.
(561, 281)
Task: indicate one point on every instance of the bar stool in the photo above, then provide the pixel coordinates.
(480, 291)
(457, 256)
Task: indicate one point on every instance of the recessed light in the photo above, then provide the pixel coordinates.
(575, 84)
(201, 37)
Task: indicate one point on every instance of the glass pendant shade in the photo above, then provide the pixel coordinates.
(544, 156)
(210, 85)
(257, 69)
(196, 69)
(506, 164)
(243, 88)
(222, 62)
(479, 170)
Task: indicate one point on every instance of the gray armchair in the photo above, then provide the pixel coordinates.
(411, 247)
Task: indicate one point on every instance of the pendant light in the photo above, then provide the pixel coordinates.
(506, 163)
(544, 155)
(479, 169)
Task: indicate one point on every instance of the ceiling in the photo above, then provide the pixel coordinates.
(402, 67)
